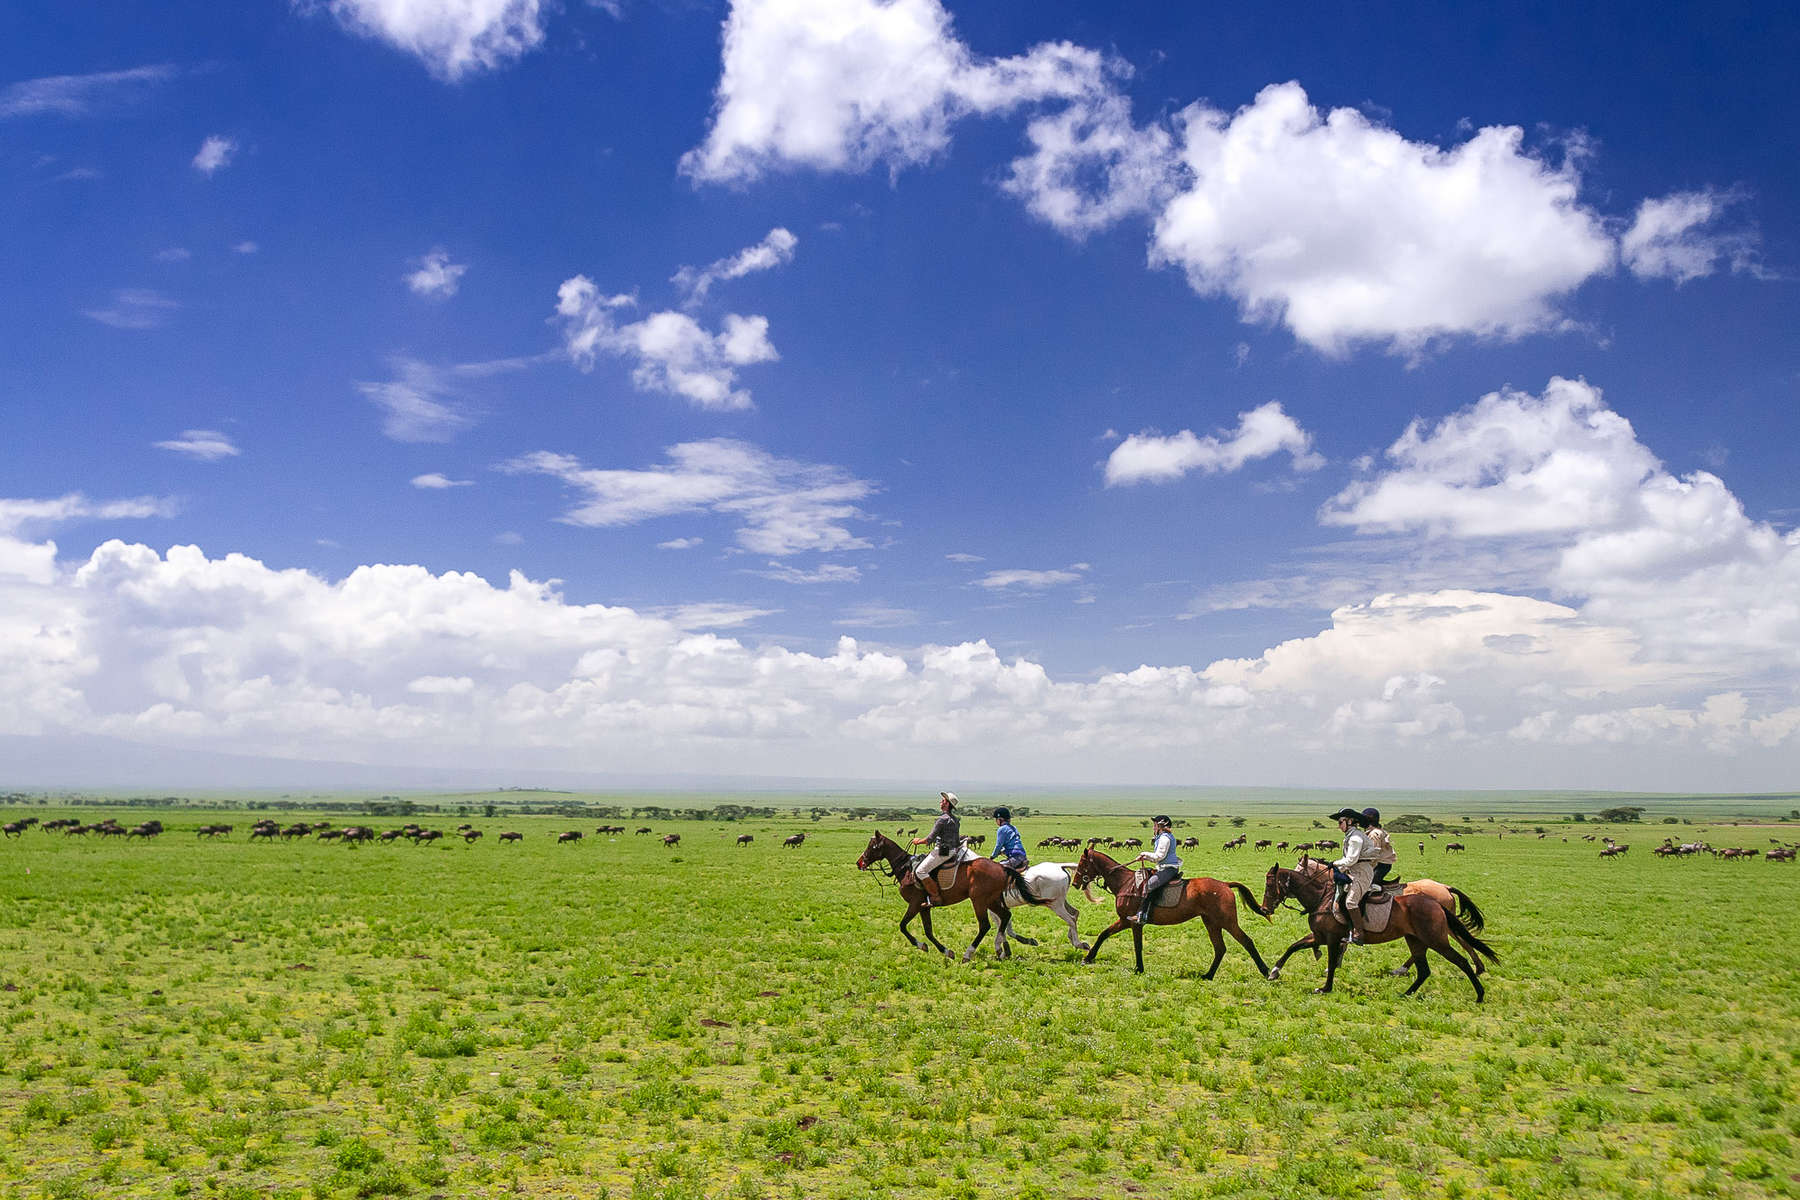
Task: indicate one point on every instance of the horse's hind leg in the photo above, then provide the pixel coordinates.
(1416, 944)
(1243, 939)
(1012, 933)
(1218, 943)
(1449, 952)
(1137, 943)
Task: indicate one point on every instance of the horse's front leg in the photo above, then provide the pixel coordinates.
(1137, 944)
(1101, 940)
(912, 910)
(981, 929)
(1333, 953)
(1072, 919)
(925, 923)
(1311, 939)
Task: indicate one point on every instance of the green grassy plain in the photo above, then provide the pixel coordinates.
(216, 1018)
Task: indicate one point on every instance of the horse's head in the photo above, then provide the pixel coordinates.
(1274, 889)
(1087, 868)
(872, 853)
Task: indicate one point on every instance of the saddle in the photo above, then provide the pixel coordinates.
(1169, 895)
(1372, 916)
(945, 875)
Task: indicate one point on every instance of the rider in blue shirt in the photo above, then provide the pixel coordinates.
(1009, 849)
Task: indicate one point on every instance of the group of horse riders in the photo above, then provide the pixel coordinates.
(1367, 859)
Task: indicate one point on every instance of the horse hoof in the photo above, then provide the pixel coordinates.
(1274, 974)
(1319, 991)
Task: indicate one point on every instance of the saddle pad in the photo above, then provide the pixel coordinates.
(1375, 912)
(946, 875)
(1172, 894)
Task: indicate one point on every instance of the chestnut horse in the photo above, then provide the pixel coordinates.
(1208, 899)
(1455, 902)
(984, 883)
(1419, 919)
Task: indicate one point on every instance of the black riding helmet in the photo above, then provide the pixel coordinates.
(1003, 814)
(1161, 820)
(1370, 818)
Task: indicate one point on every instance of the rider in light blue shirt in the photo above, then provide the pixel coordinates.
(1009, 849)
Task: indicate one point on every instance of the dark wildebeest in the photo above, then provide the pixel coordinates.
(744, 839)
(1449, 846)
(671, 839)
(512, 836)
(793, 839)
(645, 829)
(573, 835)
(471, 836)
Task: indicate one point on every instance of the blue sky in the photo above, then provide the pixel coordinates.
(1036, 394)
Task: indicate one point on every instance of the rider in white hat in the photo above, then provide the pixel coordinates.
(946, 841)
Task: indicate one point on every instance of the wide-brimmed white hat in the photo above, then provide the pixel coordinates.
(950, 796)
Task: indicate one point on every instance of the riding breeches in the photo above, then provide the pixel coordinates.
(1359, 875)
(1015, 861)
(932, 862)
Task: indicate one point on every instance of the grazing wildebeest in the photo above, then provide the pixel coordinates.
(744, 839)
(1208, 899)
(671, 839)
(512, 836)
(996, 889)
(1419, 919)
(1449, 846)
(573, 835)
(793, 839)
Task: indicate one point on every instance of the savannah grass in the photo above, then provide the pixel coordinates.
(199, 1018)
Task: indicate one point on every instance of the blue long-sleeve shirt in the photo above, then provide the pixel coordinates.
(1007, 842)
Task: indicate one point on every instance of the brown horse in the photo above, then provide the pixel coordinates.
(1419, 919)
(1208, 899)
(1454, 901)
(983, 882)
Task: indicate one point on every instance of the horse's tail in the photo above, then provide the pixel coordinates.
(1250, 899)
(1467, 912)
(1017, 879)
(1469, 939)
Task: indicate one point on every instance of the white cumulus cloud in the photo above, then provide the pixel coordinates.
(1685, 236)
(215, 154)
(1261, 432)
(435, 277)
(847, 84)
(672, 353)
(433, 481)
(1346, 232)
(453, 38)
